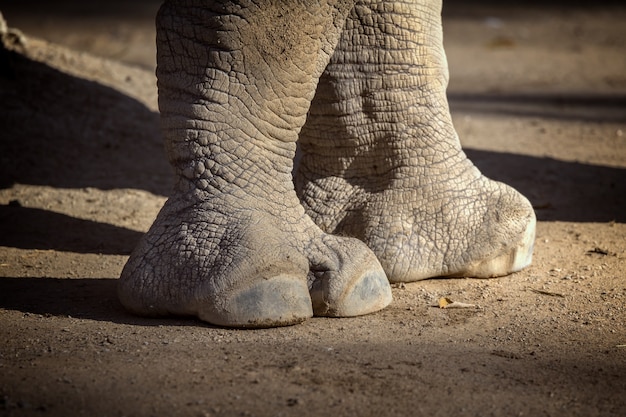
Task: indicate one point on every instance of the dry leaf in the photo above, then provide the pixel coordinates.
(445, 302)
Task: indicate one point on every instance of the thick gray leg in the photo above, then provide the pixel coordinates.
(383, 163)
(233, 245)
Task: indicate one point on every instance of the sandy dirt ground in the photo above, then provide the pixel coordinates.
(538, 95)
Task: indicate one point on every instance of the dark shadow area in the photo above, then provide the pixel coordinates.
(82, 298)
(562, 106)
(31, 228)
(483, 8)
(564, 191)
(84, 9)
(68, 132)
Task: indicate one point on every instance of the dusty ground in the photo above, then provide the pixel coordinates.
(539, 99)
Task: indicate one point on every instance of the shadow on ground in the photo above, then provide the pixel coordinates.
(599, 107)
(69, 132)
(81, 298)
(31, 228)
(559, 190)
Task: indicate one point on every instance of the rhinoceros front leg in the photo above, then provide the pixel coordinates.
(233, 244)
(382, 162)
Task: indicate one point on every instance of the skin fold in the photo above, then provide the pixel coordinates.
(384, 191)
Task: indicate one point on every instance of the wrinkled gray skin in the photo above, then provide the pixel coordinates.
(362, 87)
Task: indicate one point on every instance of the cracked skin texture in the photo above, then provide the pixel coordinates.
(385, 192)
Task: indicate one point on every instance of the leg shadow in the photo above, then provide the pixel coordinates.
(68, 132)
(31, 228)
(82, 298)
(559, 190)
